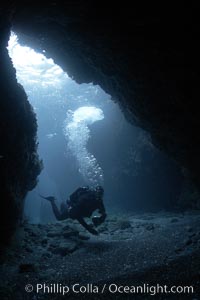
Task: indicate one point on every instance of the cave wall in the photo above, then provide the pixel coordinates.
(19, 162)
(136, 54)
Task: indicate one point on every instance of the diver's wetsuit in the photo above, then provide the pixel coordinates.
(81, 204)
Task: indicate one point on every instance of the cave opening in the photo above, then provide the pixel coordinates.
(152, 227)
(85, 140)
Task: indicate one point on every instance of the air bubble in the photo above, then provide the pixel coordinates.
(77, 135)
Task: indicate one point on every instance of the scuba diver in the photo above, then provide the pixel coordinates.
(81, 204)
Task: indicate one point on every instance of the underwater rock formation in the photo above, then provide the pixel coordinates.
(136, 57)
(19, 163)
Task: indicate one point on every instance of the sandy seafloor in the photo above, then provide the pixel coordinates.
(131, 250)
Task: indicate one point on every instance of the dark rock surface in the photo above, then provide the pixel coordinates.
(134, 53)
(19, 163)
(150, 250)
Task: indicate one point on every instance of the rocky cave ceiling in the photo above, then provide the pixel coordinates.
(136, 54)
